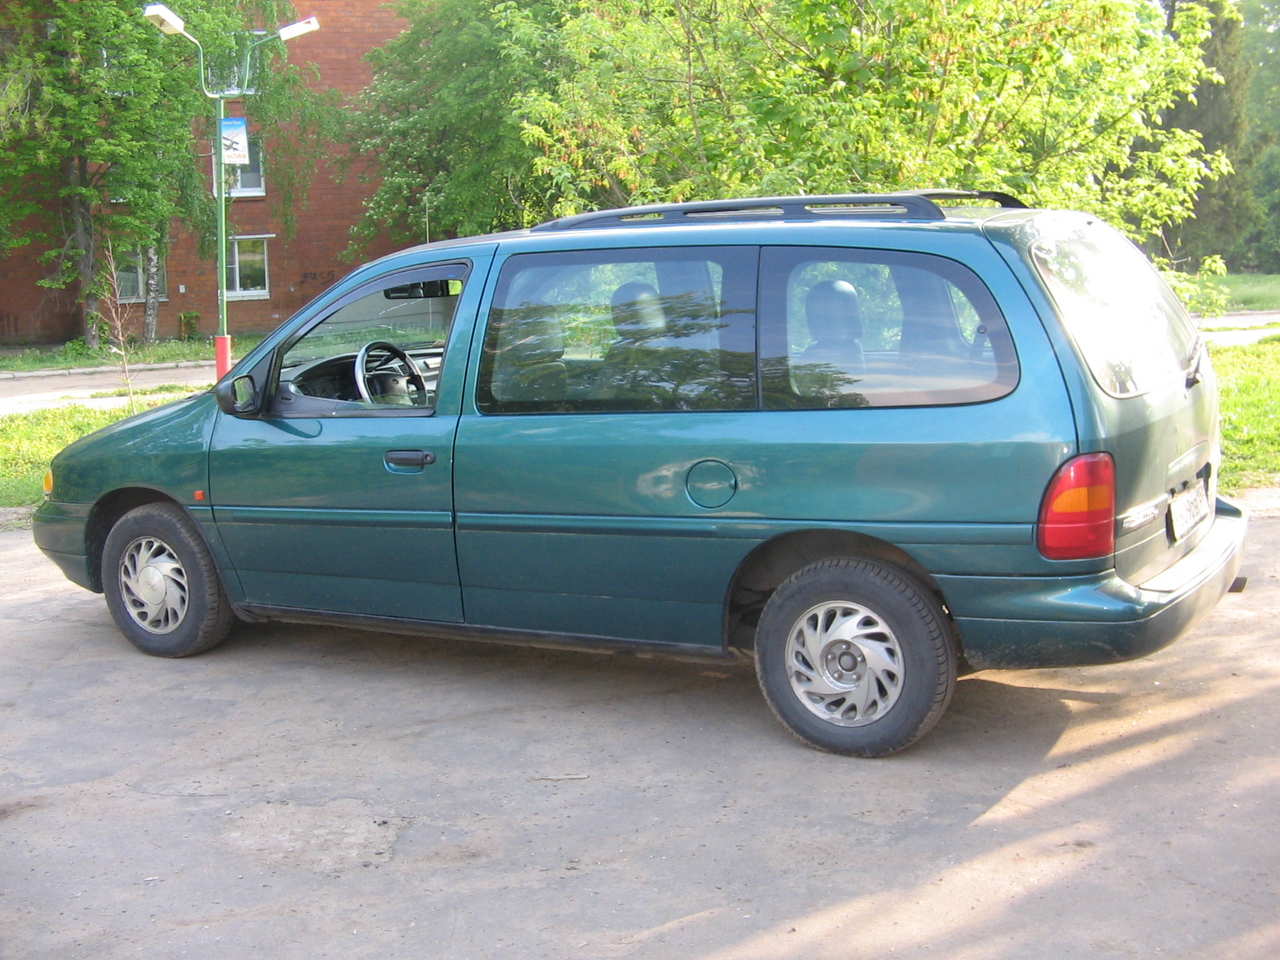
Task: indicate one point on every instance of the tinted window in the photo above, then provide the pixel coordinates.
(872, 328)
(621, 331)
(1130, 327)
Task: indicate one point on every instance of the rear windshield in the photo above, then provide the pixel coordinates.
(1130, 327)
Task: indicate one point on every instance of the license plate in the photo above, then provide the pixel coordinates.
(1187, 509)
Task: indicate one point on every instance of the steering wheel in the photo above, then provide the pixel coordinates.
(393, 352)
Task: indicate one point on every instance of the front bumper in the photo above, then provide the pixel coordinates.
(59, 531)
(1009, 622)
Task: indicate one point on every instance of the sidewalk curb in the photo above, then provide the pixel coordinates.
(82, 371)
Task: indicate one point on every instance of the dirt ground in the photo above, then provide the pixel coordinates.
(307, 793)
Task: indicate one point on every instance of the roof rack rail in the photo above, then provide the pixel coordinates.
(902, 206)
(999, 196)
(907, 205)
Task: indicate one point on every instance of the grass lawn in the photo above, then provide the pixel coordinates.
(76, 354)
(1249, 380)
(28, 442)
(175, 388)
(1253, 291)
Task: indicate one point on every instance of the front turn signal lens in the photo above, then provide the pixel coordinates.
(48, 482)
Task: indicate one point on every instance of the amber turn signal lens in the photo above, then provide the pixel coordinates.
(48, 482)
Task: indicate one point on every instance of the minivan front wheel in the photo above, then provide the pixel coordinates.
(161, 584)
(855, 656)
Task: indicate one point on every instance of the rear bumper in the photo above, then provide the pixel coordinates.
(1075, 621)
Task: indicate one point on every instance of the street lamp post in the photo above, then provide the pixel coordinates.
(170, 24)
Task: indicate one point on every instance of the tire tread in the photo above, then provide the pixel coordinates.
(940, 638)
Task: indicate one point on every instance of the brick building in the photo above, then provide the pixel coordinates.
(269, 275)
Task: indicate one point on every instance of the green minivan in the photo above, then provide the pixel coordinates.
(867, 440)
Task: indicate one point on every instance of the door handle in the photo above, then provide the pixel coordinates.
(409, 458)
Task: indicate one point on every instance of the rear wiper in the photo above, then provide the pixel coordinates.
(1197, 357)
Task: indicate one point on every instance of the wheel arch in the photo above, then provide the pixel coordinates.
(772, 562)
(109, 508)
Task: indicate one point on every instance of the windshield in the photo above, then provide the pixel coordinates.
(1130, 327)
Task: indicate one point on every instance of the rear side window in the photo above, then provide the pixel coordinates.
(843, 328)
(1131, 329)
(621, 331)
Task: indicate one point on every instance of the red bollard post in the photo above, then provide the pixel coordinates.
(222, 354)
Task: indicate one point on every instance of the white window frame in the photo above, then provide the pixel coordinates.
(232, 173)
(233, 262)
(140, 268)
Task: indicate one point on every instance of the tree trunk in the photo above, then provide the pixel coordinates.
(152, 303)
(82, 224)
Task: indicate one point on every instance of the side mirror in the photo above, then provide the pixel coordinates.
(238, 397)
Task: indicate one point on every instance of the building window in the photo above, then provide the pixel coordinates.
(247, 181)
(115, 77)
(247, 277)
(131, 277)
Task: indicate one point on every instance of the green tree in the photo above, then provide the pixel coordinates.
(101, 136)
(1217, 110)
(436, 127)
(1260, 248)
(1060, 102)
(497, 114)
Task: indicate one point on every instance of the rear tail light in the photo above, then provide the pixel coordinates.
(1078, 515)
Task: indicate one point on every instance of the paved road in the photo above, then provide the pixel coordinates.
(1238, 329)
(59, 390)
(308, 793)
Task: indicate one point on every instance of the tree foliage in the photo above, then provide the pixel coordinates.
(102, 120)
(1057, 101)
(438, 121)
(1216, 108)
(618, 102)
(1260, 248)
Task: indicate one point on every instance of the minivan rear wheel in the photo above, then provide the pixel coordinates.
(855, 656)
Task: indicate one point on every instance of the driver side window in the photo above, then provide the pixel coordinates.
(379, 350)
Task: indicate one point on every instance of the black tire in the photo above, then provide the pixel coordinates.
(905, 628)
(206, 617)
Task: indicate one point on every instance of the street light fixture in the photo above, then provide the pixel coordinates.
(170, 24)
(298, 29)
(165, 20)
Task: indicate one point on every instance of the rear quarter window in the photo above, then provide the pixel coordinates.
(844, 328)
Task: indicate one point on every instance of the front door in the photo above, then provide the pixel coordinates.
(339, 497)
